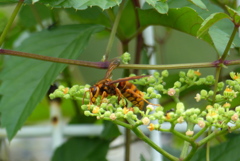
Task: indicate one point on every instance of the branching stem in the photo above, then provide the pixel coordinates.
(9, 24)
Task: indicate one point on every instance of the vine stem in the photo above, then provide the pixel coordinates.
(114, 30)
(222, 60)
(186, 145)
(9, 24)
(142, 136)
(208, 145)
(104, 65)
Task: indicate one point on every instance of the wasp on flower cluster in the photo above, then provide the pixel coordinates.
(121, 88)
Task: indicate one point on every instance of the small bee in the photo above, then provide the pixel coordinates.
(120, 87)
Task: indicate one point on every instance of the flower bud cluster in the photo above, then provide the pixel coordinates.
(76, 92)
(218, 115)
(125, 57)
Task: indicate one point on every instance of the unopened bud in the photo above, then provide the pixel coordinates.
(189, 133)
(145, 121)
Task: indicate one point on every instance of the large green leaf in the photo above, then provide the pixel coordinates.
(183, 19)
(82, 149)
(198, 3)
(110, 131)
(160, 6)
(93, 15)
(222, 152)
(28, 14)
(26, 81)
(81, 4)
(77, 4)
(210, 21)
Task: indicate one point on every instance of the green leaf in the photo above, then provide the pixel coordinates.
(198, 3)
(82, 149)
(220, 39)
(77, 4)
(93, 15)
(127, 25)
(26, 81)
(234, 14)
(183, 19)
(160, 6)
(226, 151)
(210, 21)
(28, 14)
(81, 4)
(110, 131)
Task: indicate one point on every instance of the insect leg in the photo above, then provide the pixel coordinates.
(104, 95)
(120, 95)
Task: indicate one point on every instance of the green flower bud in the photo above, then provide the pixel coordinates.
(84, 107)
(119, 114)
(221, 110)
(159, 108)
(61, 87)
(58, 93)
(103, 105)
(158, 96)
(237, 87)
(216, 105)
(150, 90)
(182, 74)
(210, 78)
(136, 109)
(190, 73)
(218, 97)
(119, 109)
(204, 93)
(101, 110)
(237, 109)
(153, 95)
(156, 74)
(165, 73)
(126, 57)
(151, 79)
(210, 93)
(109, 106)
(220, 85)
(182, 79)
(203, 113)
(232, 75)
(87, 113)
(230, 113)
(52, 96)
(180, 106)
(177, 84)
(158, 114)
(151, 117)
(107, 114)
(231, 82)
(159, 87)
(67, 96)
(130, 114)
(197, 111)
(209, 119)
(189, 112)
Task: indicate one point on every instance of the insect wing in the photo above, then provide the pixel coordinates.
(114, 64)
(126, 79)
